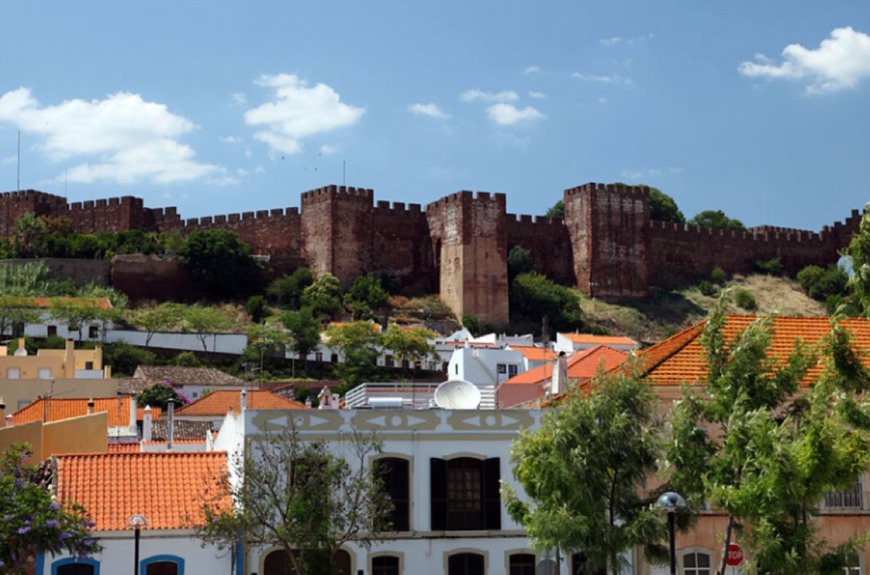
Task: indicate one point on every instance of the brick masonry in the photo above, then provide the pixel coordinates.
(458, 245)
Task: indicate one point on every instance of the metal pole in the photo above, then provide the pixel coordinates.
(673, 553)
(136, 552)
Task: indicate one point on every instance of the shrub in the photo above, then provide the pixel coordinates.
(187, 359)
(256, 308)
(745, 300)
(708, 289)
(771, 267)
(718, 276)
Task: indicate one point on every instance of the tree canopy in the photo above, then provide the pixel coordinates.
(221, 263)
(31, 521)
(716, 219)
(534, 298)
(593, 501)
(663, 208)
(300, 495)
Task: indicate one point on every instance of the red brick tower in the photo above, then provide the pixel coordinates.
(609, 231)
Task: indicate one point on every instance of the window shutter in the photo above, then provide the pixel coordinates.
(491, 494)
(438, 491)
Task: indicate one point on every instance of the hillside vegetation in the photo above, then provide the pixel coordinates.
(666, 313)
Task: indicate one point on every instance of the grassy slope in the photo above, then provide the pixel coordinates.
(668, 312)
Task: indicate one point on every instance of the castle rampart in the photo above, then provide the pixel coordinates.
(458, 245)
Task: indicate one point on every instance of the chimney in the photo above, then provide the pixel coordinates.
(244, 400)
(69, 359)
(91, 404)
(560, 375)
(9, 420)
(147, 424)
(2, 409)
(170, 424)
(324, 399)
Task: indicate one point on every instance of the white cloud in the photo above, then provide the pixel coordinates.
(532, 70)
(508, 114)
(430, 110)
(537, 95)
(121, 138)
(475, 94)
(612, 41)
(298, 111)
(612, 79)
(239, 99)
(840, 62)
(327, 149)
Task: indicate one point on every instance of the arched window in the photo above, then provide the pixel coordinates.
(75, 567)
(277, 562)
(465, 494)
(162, 565)
(697, 563)
(522, 564)
(465, 564)
(385, 565)
(395, 474)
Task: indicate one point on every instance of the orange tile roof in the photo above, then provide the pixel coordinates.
(118, 409)
(47, 302)
(534, 353)
(123, 448)
(588, 338)
(582, 365)
(169, 489)
(587, 363)
(155, 413)
(218, 402)
(681, 359)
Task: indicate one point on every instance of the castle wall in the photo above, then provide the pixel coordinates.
(608, 228)
(547, 240)
(401, 246)
(13, 205)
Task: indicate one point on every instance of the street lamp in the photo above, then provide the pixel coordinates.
(136, 522)
(671, 502)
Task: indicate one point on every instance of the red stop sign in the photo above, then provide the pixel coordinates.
(735, 555)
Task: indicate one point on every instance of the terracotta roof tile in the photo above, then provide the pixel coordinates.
(534, 353)
(680, 358)
(582, 365)
(187, 376)
(218, 403)
(169, 489)
(118, 409)
(586, 338)
(46, 302)
(123, 448)
(184, 429)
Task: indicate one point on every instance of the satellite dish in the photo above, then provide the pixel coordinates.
(457, 394)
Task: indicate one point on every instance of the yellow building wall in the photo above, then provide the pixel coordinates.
(85, 434)
(30, 433)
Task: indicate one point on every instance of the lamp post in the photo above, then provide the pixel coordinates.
(136, 522)
(671, 502)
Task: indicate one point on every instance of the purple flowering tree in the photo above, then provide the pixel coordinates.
(31, 521)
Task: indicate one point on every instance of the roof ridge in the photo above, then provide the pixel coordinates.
(679, 340)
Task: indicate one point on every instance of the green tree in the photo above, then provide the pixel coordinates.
(556, 211)
(77, 314)
(287, 290)
(533, 297)
(716, 219)
(32, 522)
(771, 455)
(267, 340)
(16, 312)
(158, 395)
(163, 317)
(859, 251)
(304, 329)
(221, 263)
(366, 290)
(358, 344)
(324, 296)
(205, 322)
(663, 208)
(519, 262)
(409, 345)
(256, 308)
(125, 358)
(300, 496)
(29, 236)
(591, 501)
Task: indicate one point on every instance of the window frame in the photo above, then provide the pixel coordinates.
(399, 557)
(144, 563)
(446, 513)
(696, 551)
(56, 565)
(397, 501)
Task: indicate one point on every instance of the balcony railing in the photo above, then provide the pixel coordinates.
(850, 499)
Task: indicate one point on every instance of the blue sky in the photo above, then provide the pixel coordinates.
(761, 109)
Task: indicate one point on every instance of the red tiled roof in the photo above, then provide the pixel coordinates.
(169, 489)
(582, 365)
(47, 302)
(534, 353)
(586, 338)
(208, 376)
(123, 448)
(118, 409)
(218, 402)
(681, 359)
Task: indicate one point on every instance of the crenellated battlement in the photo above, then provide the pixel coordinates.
(343, 192)
(468, 197)
(535, 220)
(398, 208)
(638, 192)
